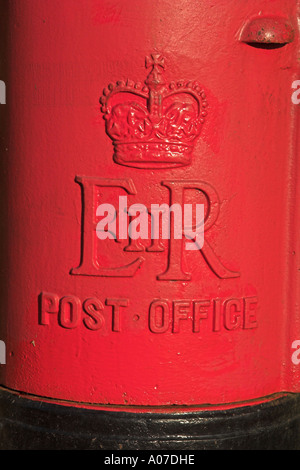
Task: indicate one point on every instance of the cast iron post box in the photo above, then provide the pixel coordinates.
(124, 325)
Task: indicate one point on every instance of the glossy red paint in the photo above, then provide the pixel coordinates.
(150, 324)
(268, 30)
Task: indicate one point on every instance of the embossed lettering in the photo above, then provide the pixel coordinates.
(89, 262)
(175, 270)
(164, 315)
(116, 305)
(232, 314)
(217, 305)
(94, 309)
(49, 304)
(159, 316)
(181, 310)
(69, 312)
(250, 320)
(203, 315)
(200, 313)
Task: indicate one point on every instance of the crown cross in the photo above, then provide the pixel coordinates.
(156, 83)
(159, 126)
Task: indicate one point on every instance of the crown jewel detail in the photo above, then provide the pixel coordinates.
(157, 127)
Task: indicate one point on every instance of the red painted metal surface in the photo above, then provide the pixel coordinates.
(268, 30)
(149, 323)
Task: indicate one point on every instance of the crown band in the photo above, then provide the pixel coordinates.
(152, 155)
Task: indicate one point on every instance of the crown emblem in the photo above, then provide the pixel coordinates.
(152, 124)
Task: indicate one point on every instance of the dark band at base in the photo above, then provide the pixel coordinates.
(27, 424)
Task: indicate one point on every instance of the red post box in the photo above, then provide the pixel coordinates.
(123, 328)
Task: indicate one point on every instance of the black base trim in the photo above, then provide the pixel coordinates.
(27, 424)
